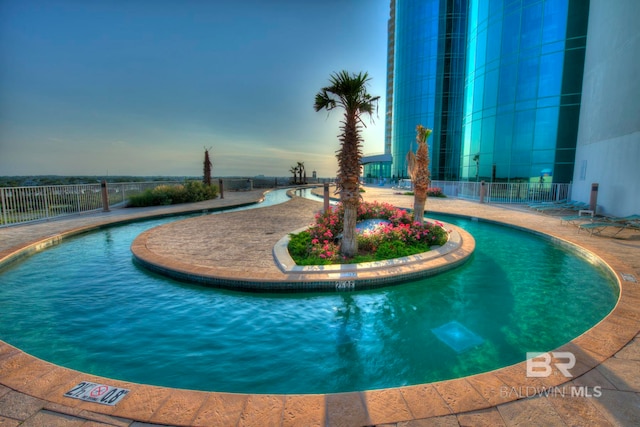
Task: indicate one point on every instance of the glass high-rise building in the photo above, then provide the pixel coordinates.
(498, 81)
(428, 81)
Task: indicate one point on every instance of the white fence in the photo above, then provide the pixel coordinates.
(499, 192)
(25, 204)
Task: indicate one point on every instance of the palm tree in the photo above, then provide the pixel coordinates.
(349, 91)
(300, 170)
(207, 168)
(294, 171)
(418, 168)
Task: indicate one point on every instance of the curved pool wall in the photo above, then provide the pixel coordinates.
(293, 278)
(349, 331)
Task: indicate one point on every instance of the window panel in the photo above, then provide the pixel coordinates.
(555, 20)
(523, 130)
(544, 157)
(508, 78)
(491, 89)
(488, 134)
(494, 42)
(510, 34)
(478, 95)
(550, 74)
(475, 136)
(527, 79)
(481, 48)
(546, 128)
(531, 27)
(503, 137)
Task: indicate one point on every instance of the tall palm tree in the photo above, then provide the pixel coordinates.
(348, 91)
(300, 170)
(418, 168)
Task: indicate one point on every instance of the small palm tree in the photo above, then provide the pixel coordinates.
(294, 171)
(348, 91)
(418, 168)
(207, 168)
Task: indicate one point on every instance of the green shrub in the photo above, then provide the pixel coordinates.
(319, 244)
(197, 191)
(140, 200)
(431, 192)
(190, 192)
(299, 244)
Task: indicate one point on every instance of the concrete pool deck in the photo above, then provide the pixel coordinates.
(202, 250)
(608, 355)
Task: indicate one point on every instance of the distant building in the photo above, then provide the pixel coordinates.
(376, 167)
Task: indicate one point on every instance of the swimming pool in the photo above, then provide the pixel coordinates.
(93, 310)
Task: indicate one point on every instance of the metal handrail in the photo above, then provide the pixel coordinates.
(19, 205)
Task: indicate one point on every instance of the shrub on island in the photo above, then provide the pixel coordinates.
(395, 235)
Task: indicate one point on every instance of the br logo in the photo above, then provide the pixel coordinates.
(539, 364)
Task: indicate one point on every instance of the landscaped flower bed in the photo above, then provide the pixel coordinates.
(431, 192)
(320, 243)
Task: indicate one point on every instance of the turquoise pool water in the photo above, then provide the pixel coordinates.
(84, 304)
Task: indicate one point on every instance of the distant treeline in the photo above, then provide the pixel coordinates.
(25, 181)
(28, 181)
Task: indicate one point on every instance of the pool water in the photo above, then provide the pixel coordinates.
(83, 304)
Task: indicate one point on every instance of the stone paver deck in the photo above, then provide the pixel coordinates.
(205, 250)
(608, 355)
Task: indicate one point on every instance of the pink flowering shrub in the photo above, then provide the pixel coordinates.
(435, 192)
(431, 192)
(320, 243)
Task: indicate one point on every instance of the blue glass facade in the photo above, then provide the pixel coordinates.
(430, 44)
(501, 89)
(522, 89)
(415, 73)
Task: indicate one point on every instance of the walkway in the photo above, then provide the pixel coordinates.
(31, 391)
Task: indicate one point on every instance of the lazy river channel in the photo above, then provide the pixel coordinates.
(83, 304)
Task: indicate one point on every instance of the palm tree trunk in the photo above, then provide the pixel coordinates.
(419, 201)
(348, 182)
(349, 244)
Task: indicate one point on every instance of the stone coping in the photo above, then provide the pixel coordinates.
(295, 278)
(26, 379)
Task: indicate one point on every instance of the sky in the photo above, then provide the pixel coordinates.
(142, 87)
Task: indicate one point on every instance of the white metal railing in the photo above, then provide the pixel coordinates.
(496, 192)
(502, 192)
(25, 204)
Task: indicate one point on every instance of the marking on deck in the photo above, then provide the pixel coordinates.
(97, 393)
